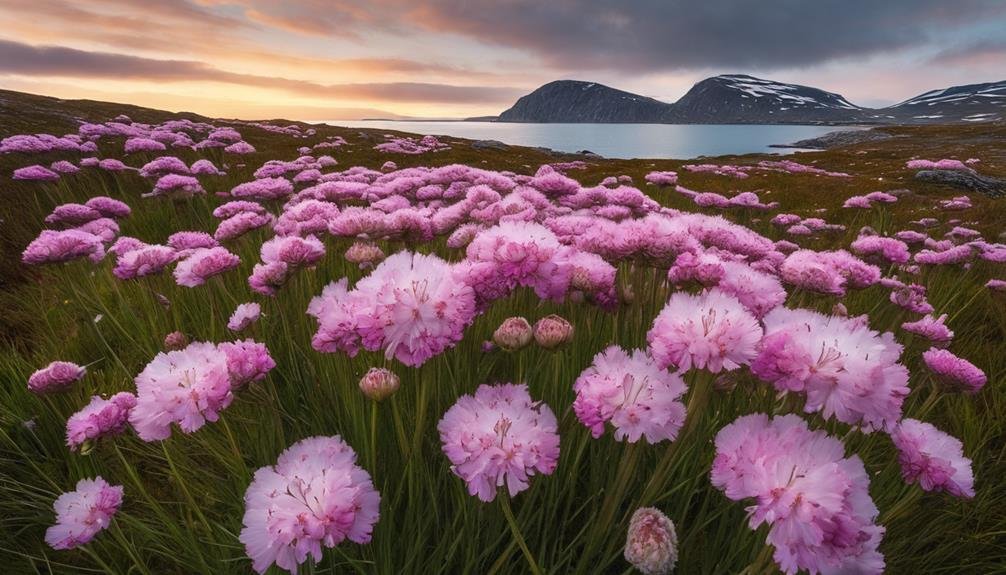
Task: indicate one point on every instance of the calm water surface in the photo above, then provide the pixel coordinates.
(619, 140)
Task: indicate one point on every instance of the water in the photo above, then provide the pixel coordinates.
(681, 141)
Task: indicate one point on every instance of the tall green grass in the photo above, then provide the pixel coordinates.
(183, 496)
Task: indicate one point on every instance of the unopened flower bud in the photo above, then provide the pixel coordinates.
(379, 383)
(651, 544)
(839, 309)
(513, 334)
(552, 331)
(175, 340)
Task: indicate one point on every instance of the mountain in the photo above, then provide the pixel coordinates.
(743, 99)
(971, 103)
(584, 102)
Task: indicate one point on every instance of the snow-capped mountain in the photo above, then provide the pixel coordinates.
(971, 103)
(742, 99)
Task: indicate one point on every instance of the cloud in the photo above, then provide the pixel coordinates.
(982, 53)
(28, 60)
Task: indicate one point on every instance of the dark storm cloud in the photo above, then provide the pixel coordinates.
(28, 60)
(654, 35)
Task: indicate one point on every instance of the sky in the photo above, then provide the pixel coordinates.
(345, 59)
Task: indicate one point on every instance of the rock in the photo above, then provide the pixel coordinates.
(588, 153)
(901, 193)
(991, 187)
(489, 145)
(838, 139)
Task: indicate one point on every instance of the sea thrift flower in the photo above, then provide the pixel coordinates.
(100, 418)
(109, 207)
(845, 369)
(513, 334)
(890, 249)
(552, 331)
(954, 371)
(188, 241)
(651, 544)
(264, 189)
(266, 279)
(134, 145)
(379, 383)
(35, 173)
(933, 458)
(239, 224)
(192, 386)
(244, 316)
(82, 513)
(711, 331)
(815, 500)
(412, 305)
(364, 253)
(315, 496)
(56, 376)
(499, 436)
(176, 186)
(294, 251)
(69, 215)
(636, 395)
(62, 246)
(142, 261)
(932, 329)
(827, 272)
(996, 285)
(203, 264)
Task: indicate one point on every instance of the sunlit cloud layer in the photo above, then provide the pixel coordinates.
(314, 59)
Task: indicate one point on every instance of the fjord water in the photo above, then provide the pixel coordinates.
(682, 141)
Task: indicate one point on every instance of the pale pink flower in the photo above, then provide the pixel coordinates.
(244, 316)
(933, 458)
(651, 543)
(82, 513)
(99, 418)
(204, 263)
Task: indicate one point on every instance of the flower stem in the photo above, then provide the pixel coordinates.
(505, 504)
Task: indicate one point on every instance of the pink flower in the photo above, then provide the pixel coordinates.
(241, 147)
(552, 331)
(264, 189)
(499, 436)
(712, 331)
(143, 261)
(932, 329)
(954, 371)
(56, 376)
(411, 305)
(814, 499)
(651, 543)
(62, 246)
(240, 224)
(513, 334)
(364, 254)
(164, 165)
(315, 496)
(192, 386)
(266, 279)
(889, 249)
(294, 251)
(82, 513)
(244, 316)
(109, 207)
(205, 167)
(379, 383)
(188, 241)
(134, 145)
(827, 272)
(176, 186)
(933, 458)
(846, 370)
(101, 417)
(633, 393)
(69, 215)
(35, 173)
(203, 264)
(662, 178)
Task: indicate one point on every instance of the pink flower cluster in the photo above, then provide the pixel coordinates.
(956, 372)
(99, 418)
(413, 306)
(497, 437)
(82, 513)
(193, 385)
(933, 458)
(411, 146)
(56, 376)
(845, 369)
(632, 392)
(244, 316)
(815, 500)
(315, 496)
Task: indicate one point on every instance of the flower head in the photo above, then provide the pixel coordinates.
(379, 383)
(82, 513)
(56, 376)
(315, 496)
(933, 458)
(513, 334)
(651, 544)
(244, 316)
(99, 418)
(499, 436)
(956, 372)
(552, 331)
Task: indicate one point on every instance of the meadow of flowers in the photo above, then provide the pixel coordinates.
(247, 347)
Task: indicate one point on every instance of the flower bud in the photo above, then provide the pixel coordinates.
(379, 383)
(839, 309)
(552, 331)
(513, 334)
(175, 340)
(651, 544)
(364, 254)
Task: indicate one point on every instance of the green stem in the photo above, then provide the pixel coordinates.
(373, 440)
(505, 504)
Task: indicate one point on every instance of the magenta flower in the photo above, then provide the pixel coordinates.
(662, 178)
(711, 331)
(814, 499)
(35, 173)
(134, 145)
(244, 316)
(143, 261)
(193, 385)
(100, 418)
(235, 207)
(411, 305)
(239, 224)
(846, 370)
(633, 393)
(56, 376)
(315, 496)
(932, 329)
(954, 371)
(264, 189)
(109, 207)
(186, 242)
(651, 543)
(69, 215)
(266, 279)
(241, 147)
(164, 165)
(204, 168)
(204, 263)
(294, 251)
(82, 513)
(889, 249)
(176, 186)
(499, 436)
(933, 458)
(62, 246)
